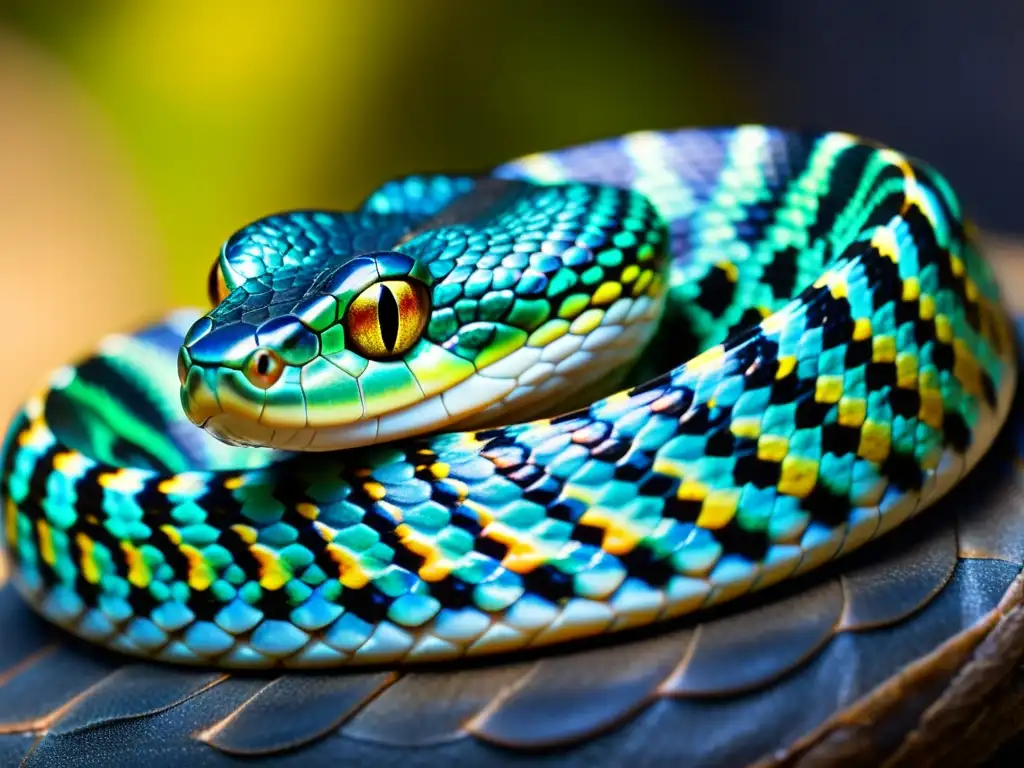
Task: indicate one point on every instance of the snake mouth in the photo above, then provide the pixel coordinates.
(425, 416)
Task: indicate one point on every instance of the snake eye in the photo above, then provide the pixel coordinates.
(263, 368)
(216, 288)
(387, 318)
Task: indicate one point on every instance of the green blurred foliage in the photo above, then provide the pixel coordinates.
(230, 110)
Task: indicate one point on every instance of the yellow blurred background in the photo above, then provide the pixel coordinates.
(136, 136)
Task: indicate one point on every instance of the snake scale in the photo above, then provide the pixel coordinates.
(591, 390)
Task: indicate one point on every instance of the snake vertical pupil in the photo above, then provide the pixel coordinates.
(387, 317)
(262, 364)
(216, 285)
(211, 285)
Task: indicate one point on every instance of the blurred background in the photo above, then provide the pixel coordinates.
(135, 136)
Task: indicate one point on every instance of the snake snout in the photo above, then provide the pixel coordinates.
(198, 396)
(210, 356)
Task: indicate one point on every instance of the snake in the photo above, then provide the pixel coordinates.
(589, 390)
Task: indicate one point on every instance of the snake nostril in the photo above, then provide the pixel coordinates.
(183, 365)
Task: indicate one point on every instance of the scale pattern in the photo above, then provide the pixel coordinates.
(852, 361)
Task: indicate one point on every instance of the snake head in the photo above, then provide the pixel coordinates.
(325, 370)
(451, 325)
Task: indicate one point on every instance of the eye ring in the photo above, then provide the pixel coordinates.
(263, 368)
(387, 318)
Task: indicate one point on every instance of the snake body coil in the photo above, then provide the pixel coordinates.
(850, 362)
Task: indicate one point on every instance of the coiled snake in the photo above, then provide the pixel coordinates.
(809, 347)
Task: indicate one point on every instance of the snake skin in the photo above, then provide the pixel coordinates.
(850, 361)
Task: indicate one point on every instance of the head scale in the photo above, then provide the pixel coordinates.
(329, 353)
